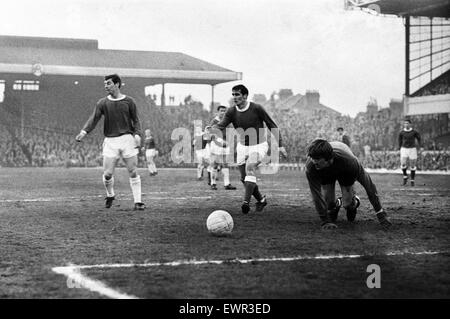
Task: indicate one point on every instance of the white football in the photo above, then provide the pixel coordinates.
(220, 223)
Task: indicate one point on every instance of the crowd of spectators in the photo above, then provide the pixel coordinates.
(41, 147)
(46, 146)
(439, 86)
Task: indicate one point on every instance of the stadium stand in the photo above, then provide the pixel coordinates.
(376, 128)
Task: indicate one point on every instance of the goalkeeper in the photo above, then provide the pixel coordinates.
(331, 162)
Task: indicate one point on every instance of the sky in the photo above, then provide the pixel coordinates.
(348, 56)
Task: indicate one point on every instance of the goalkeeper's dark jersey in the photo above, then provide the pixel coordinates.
(407, 139)
(120, 117)
(346, 169)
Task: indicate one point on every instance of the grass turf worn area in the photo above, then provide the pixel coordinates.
(56, 218)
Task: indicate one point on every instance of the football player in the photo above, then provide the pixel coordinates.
(218, 153)
(122, 131)
(248, 119)
(150, 152)
(408, 150)
(201, 147)
(329, 162)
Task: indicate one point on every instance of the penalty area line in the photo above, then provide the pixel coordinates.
(251, 260)
(78, 280)
(75, 279)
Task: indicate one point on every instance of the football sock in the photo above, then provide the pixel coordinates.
(249, 184)
(413, 174)
(404, 172)
(150, 168)
(200, 171)
(109, 186)
(226, 176)
(213, 176)
(243, 172)
(135, 184)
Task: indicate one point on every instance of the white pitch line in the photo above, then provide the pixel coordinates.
(77, 279)
(73, 273)
(415, 189)
(245, 261)
(123, 197)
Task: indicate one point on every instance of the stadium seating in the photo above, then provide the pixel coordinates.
(52, 146)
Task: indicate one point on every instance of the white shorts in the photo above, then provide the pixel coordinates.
(219, 150)
(121, 146)
(243, 151)
(410, 153)
(202, 154)
(151, 153)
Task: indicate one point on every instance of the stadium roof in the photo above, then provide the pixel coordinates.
(300, 104)
(417, 8)
(61, 56)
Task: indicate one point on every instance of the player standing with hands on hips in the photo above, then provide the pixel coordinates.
(122, 133)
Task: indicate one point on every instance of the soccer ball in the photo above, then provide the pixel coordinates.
(220, 223)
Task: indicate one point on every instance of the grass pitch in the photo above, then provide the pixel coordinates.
(56, 217)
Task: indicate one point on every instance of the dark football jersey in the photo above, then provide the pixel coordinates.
(120, 117)
(345, 166)
(252, 118)
(149, 143)
(408, 138)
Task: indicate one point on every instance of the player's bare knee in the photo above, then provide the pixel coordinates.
(132, 172)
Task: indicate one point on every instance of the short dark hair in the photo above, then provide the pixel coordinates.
(320, 148)
(407, 120)
(241, 88)
(115, 78)
(221, 107)
(340, 129)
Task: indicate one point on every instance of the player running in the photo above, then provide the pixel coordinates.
(329, 162)
(218, 153)
(248, 119)
(201, 148)
(122, 133)
(408, 150)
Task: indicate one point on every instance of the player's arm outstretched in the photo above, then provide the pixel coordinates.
(91, 122)
(217, 128)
